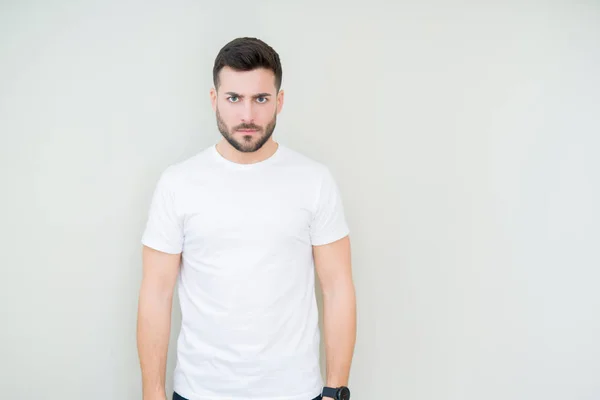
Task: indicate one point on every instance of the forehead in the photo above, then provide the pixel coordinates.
(247, 82)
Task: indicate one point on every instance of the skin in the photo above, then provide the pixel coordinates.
(247, 99)
(333, 265)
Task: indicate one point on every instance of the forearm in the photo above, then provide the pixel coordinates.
(153, 331)
(339, 307)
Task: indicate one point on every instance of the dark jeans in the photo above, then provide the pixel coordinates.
(178, 397)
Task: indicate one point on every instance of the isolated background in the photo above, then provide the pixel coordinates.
(464, 137)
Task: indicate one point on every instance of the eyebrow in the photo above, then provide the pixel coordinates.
(254, 97)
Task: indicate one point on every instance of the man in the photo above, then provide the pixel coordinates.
(241, 227)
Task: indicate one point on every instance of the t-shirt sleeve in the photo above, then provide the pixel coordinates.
(329, 222)
(164, 226)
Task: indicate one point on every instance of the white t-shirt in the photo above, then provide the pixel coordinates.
(246, 285)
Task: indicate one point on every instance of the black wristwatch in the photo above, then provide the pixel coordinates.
(341, 393)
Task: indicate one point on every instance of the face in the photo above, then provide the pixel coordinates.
(246, 104)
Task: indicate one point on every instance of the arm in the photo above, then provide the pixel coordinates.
(154, 319)
(333, 266)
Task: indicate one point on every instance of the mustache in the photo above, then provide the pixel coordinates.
(247, 126)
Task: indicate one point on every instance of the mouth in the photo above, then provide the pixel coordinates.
(247, 131)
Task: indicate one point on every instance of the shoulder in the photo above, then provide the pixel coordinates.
(308, 165)
(182, 171)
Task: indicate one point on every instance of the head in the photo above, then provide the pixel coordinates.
(246, 96)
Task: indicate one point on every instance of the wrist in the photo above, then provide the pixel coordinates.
(335, 393)
(155, 394)
(162, 396)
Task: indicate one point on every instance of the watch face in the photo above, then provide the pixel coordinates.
(344, 393)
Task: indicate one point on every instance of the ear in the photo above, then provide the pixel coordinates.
(213, 99)
(280, 97)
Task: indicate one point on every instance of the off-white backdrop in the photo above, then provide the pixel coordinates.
(464, 137)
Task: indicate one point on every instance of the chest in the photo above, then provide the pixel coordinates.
(247, 212)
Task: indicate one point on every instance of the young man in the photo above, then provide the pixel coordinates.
(241, 227)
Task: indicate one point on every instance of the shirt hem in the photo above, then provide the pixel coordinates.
(157, 245)
(304, 396)
(330, 238)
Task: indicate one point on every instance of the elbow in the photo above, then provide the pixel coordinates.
(342, 287)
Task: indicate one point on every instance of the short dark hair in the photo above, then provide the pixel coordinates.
(246, 54)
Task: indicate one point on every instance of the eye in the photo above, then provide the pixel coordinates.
(233, 99)
(261, 100)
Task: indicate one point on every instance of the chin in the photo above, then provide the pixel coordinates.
(247, 147)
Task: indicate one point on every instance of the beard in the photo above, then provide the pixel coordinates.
(246, 143)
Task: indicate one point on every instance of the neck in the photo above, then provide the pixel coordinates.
(232, 154)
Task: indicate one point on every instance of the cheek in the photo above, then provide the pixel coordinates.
(265, 114)
(226, 112)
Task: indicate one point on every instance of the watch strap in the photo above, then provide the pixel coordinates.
(330, 392)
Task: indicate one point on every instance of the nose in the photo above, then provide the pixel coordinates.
(247, 113)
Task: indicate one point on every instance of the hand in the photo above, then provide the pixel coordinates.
(161, 397)
(155, 396)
